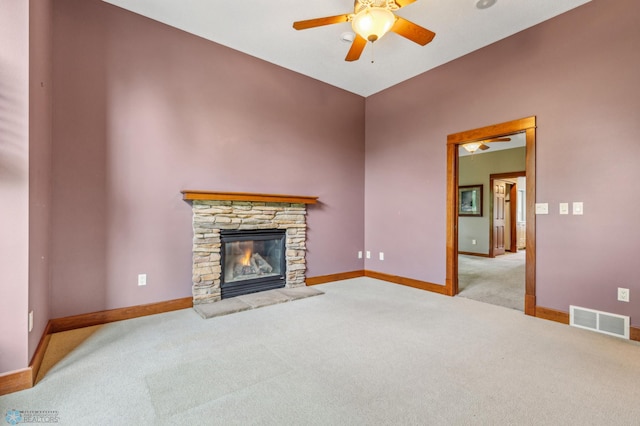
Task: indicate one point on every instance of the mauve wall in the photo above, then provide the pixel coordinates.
(142, 111)
(14, 183)
(39, 165)
(578, 73)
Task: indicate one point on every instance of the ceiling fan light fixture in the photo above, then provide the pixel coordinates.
(373, 22)
(472, 146)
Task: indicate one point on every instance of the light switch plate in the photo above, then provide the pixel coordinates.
(564, 208)
(578, 208)
(542, 208)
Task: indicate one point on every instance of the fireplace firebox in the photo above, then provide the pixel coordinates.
(252, 261)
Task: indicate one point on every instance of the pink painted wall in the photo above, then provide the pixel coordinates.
(578, 73)
(14, 183)
(40, 83)
(142, 111)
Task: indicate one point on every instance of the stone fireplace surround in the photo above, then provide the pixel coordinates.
(214, 211)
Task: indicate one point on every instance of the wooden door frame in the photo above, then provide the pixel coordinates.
(500, 176)
(513, 222)
(528, 126)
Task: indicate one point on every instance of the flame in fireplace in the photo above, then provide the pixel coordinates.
(246, 259)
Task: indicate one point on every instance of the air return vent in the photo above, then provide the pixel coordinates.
(602, 322)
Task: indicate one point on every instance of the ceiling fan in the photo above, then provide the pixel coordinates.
(370, 20)
(482, 145)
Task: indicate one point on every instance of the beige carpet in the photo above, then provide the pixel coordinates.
(499, 280)
(365, 353)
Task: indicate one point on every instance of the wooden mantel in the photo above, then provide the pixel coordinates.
(189, 194)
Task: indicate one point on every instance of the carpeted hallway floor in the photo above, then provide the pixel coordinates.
(499, 280)
(366, 352)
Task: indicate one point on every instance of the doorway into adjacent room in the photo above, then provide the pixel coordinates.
(495, 272)
(525, 127)
(507, 225)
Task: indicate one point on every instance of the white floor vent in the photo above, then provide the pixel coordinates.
(602, 322)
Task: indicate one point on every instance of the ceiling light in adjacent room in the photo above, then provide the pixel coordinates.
(485, 4)
(373, 22)
(472, 146)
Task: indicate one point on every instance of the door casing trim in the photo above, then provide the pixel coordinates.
(524, 125)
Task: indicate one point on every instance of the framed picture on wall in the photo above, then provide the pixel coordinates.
(470, 200)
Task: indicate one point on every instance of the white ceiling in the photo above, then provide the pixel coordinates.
(264, 29)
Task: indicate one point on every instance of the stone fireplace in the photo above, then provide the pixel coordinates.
(236, 239)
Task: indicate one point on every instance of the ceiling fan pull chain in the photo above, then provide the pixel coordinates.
(373, 59)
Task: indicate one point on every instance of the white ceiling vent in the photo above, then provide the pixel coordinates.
(602, 322)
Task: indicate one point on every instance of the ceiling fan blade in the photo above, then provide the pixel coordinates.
(403, 3)
(413, 32)
(483, 147)
(497, 140)
(319, 22)
(356, 49)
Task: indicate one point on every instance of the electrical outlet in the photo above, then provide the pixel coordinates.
(360, 254)
(381, 256)
(474, 242)
(623, 294)
(368, 254)
(142, 279)
(30, 321)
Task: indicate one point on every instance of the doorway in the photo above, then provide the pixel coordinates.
(528, 127)
(507, 224)
(494, 272)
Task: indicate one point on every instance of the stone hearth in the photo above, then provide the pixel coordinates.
(213, 213)
(254, 301)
